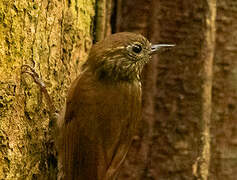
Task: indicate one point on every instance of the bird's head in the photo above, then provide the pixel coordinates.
(121, 56)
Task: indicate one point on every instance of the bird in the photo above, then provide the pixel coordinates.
(103, 107)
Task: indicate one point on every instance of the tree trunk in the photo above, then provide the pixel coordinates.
(224, 116)
(174, 139)
(54, 37)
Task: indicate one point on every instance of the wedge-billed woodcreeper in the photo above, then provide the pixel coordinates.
(103, 107)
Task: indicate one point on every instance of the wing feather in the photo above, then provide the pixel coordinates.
(97, 128)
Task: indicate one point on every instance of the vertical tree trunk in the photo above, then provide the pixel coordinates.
(173, 142)
(54, 37)
(201, 166)
(103, 25)
(224, 116)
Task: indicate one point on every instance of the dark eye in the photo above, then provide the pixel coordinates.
(137, 48)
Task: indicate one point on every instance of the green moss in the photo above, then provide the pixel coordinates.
(36, 33)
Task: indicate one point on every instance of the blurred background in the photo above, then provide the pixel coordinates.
(188, 129)
(190, 92)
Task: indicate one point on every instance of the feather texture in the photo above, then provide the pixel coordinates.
(102, 109)
(98, 126)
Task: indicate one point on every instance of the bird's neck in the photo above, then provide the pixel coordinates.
(113, 75)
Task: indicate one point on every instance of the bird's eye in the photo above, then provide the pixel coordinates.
(137, 48)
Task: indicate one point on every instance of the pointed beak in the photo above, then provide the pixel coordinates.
(156, 47)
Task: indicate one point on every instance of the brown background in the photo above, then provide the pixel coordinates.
(169, 142)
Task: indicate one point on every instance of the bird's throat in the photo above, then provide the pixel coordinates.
(116, 74)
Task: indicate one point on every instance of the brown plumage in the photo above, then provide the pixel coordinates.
(102, 109)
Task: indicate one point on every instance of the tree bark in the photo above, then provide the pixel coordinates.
(54, 37)
(224, 108)
(103, 15)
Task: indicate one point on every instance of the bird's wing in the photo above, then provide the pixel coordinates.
(78, 151)
(97, 131)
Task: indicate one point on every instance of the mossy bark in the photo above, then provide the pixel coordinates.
(54, 37)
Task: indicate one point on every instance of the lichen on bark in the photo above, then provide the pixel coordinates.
(54, 37)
